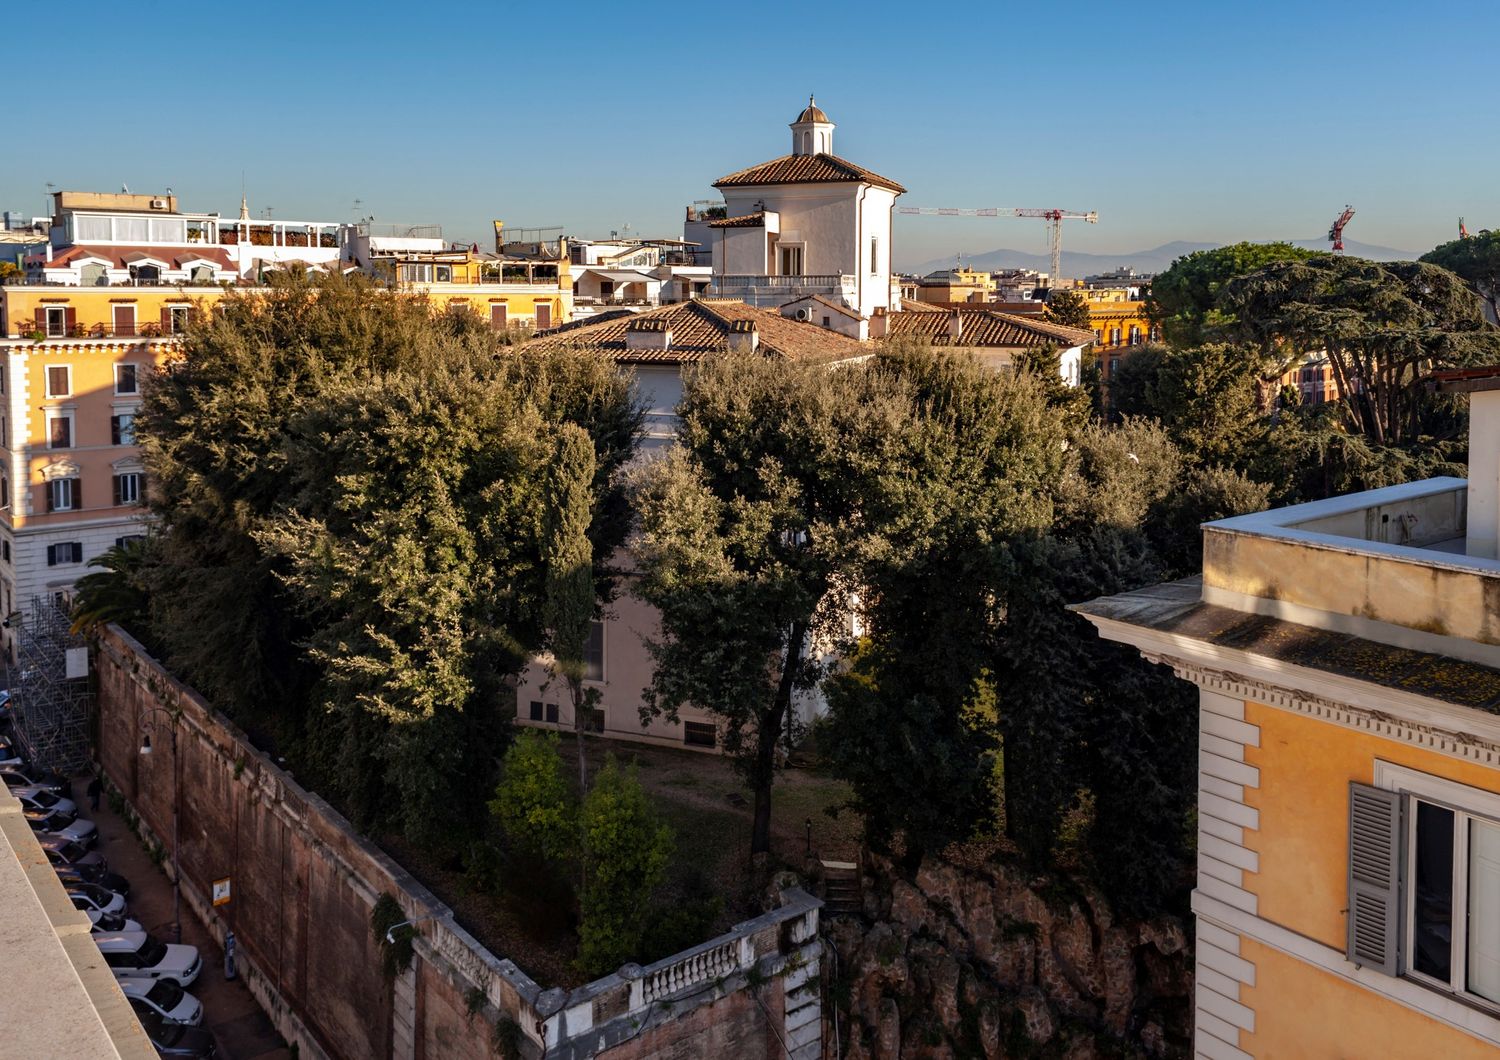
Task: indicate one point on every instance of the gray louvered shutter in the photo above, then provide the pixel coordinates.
(1375, 835)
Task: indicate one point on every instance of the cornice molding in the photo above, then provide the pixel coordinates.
(1375, 722)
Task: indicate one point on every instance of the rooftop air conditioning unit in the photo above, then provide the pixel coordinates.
(158, 204)
(804, 314)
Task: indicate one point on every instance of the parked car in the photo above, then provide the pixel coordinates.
(79, 831)
(31, 777)
(176, 1039)
(67, 813)
(35, 798)
(64, 852)
(107, 923)
(165, 998)
(90, 897)
(138, 955)
(94, 873)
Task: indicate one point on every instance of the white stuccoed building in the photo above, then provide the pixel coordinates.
(808, 223)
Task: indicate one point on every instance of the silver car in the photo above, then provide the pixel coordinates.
(79, 831)
(35, 797)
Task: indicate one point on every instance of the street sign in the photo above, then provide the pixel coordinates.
(221, 891)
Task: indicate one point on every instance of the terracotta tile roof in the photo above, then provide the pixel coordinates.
(806, 169)
(120, 257)
(981, 327)
(748, 220)
(703, 327)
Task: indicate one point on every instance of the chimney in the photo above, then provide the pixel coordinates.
(742, 337)
(955, 326)
(648, 335)
(880, 323)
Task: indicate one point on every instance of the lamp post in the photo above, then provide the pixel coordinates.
(176, 819)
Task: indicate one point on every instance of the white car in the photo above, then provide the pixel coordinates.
(106, 923)
(137, 955)
(34, 797)
(165, 998)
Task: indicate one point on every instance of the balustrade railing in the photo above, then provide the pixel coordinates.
(697, 966)
(745, 282)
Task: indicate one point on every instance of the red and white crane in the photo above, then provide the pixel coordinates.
(1054, 219)
(1336, 232)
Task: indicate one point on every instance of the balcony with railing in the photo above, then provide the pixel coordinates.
(829, 284)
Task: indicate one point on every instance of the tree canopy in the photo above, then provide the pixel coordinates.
(1069, 308)
(1184, 300)
(353, 495)
(1477, 260)
(1384, 327)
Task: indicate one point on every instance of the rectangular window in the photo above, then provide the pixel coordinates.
(128, 488)
(593, 653)
(128, 539)
(60, 431)
(536, 710)
(5, 549)
(791, 261)
(1425, 882)
(122, 429)
(874, 254)
(594, 721)
(123, 319)
(179, 319)
(552, 713)
(59, 381)
(125, 380)
(700, 734)
(67, 552)
(57, 321)
(543, 316)
(444, 273)
(63, 495)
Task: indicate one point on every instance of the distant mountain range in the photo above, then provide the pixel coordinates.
(1078, 264)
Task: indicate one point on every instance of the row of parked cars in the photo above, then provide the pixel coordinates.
(154, 976)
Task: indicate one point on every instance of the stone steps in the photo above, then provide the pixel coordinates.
(843, 889)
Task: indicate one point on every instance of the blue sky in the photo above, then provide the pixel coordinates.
(1191, 121)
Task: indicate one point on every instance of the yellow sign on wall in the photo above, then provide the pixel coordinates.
(221, 891)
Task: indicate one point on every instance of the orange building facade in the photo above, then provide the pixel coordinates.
(74, 364)
(1347, 659)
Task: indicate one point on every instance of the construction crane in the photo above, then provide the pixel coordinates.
(1054, 219)
(1336, 232)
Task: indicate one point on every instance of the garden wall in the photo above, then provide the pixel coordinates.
(303, 885)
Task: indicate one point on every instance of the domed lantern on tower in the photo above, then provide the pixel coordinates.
(812, 132)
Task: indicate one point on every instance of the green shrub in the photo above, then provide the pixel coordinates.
(532, 802)
(626, 849)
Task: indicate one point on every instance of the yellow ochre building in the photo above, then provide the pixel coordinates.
(1347, 654)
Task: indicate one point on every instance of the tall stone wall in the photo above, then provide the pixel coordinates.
(303, 885)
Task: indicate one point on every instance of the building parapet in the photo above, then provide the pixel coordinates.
(1388, 565)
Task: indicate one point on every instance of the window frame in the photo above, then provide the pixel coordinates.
(53, 416)
(137, 480)
(588, 674)
(1467, 804)
(67, 370)
(135, 378)
(176, 313)
(61, 330)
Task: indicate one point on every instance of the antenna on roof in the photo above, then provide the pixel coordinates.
(124, 189)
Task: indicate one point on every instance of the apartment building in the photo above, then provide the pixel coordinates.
(1347, 653)
(527, 287)
(72, 364)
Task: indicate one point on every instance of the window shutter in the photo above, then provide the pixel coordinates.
(50, 491)
(1375, 834)
(116, 480)
(51, 555)
(77, 493)
(114, 430)
(70, 318)
(166, 321)
(41, 318)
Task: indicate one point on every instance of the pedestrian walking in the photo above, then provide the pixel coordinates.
(96, 788)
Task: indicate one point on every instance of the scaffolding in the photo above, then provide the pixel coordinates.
(49, 687)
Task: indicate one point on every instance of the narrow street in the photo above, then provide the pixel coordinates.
(241, 1029)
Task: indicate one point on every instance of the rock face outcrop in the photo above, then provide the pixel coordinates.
(954, 961)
